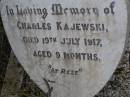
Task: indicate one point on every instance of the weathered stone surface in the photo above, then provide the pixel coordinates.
(71, 52)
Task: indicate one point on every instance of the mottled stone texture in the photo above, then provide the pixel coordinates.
(119, 84)
(22, 86)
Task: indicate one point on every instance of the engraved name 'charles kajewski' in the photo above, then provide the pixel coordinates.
(69, 48)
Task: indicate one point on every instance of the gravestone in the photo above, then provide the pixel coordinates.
(69, 48)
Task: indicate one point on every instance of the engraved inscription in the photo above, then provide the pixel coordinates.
(65, 44)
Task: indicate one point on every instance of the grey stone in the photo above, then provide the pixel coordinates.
(69, 48)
